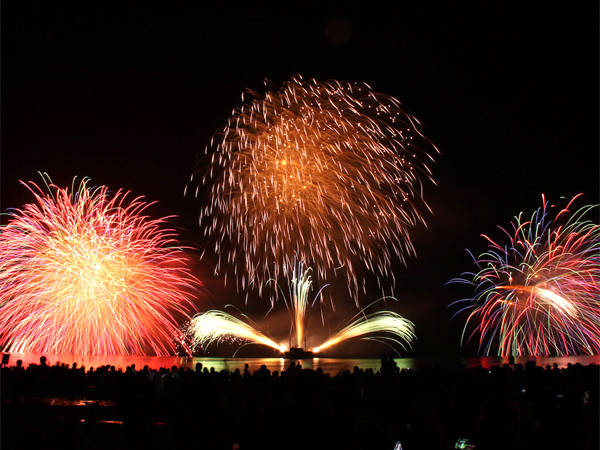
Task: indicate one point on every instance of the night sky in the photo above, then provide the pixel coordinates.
(129, 95)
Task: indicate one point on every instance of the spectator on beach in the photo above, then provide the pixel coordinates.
(500, 407)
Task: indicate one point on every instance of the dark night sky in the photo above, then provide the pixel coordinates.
(129, 95)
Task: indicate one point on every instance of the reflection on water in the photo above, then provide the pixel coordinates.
(333, 366)
(64, 401)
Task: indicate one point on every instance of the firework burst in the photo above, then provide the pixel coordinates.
(539, 295)
(329, 173)
(83, 273)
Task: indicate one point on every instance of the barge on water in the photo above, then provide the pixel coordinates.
(298, 353)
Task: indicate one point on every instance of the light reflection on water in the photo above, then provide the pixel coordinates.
(333, 366)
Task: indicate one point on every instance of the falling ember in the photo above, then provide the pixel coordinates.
(83, 273)
(329, 173)
(540, 295)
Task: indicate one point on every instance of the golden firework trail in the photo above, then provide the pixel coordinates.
(217, 326)
(377, 326)
(329, 172)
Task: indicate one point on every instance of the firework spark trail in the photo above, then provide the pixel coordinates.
(328, 173)
(218, 326)
(297, 300)
(81, 273)
(300, 289)
(540, 294)
(395, 328)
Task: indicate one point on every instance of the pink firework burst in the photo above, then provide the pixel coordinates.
(86, 273)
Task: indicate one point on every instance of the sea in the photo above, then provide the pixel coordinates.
(332, 366)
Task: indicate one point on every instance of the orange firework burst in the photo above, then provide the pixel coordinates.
(82, 273)
(326, 173)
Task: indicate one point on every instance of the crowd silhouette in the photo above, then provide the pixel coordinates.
(505, 407)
